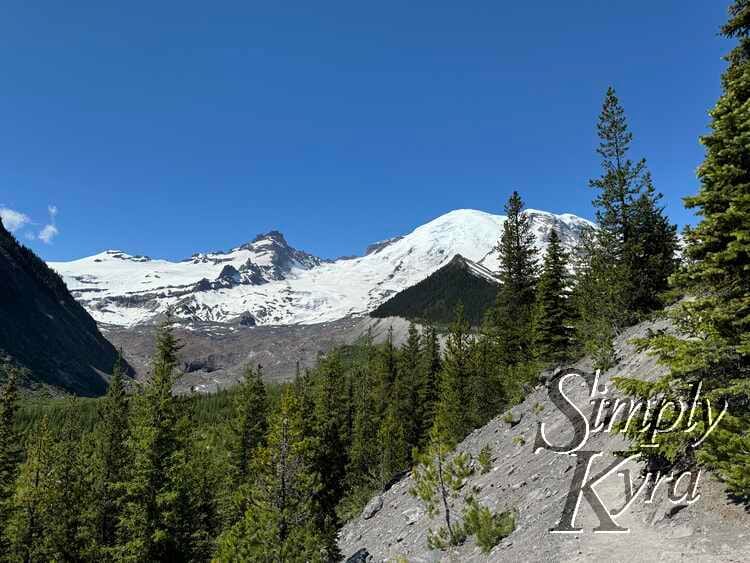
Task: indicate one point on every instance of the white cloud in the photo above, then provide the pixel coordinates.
(13, 220)
(52, 210)
(48, 233)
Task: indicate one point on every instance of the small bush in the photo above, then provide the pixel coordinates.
(538, 407)
(442, 538)
(518, 440)
(485, 459)
(488, 528)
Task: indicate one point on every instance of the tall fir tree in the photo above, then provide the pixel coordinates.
(599, 299)
(48, 518)
(331, 431)
(451, 414)
(280, 522)
(9, 450)
(405, 396)
(110, 461)
(26, 530)
(156, 446)
(429, 384)
(486, 394)
(363, 452)
(712, 343)
(552, 312)
(512, 316)
(250, 420)
(393, 446)
(639, 240)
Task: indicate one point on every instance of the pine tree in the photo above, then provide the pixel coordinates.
(438, 479)
(486, 395)
(635, 231)
(66, 493)
(451, 416)
(651, 256)
(386, 373)
(430, 368)
(512, 316)
(48, 516)
(552, 314)
(330, 413)
(622, 179)
(250, 424)
(27, 526)
(712, 345)
(393, 446)
(280, 521)
(9, 453)
(363, 454)
(156, 449)
(599, 298)
(406, 388)
(109, 463)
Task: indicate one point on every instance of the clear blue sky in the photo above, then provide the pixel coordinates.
(164, 128)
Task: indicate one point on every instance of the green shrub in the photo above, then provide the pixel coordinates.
(485, 459)
(488, 528)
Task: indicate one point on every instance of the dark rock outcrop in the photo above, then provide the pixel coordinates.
(43, 329)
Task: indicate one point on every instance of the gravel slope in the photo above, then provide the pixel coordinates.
(536, 485)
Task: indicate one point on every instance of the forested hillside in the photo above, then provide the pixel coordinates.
(434, 299)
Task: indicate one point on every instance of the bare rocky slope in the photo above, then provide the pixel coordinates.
(536, 486)
(214, 355)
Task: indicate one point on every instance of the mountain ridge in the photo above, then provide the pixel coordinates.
(44, 329)
(270, 282)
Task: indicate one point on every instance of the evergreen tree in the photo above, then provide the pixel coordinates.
(712, 344)
(634, 229)
(651, 256)
(405, 396)
(438, 479)
(332, 439)
(151, 514)
(512, 316)
(280, 521)
(250, 424)
(486, 395)
(31, 506)
(429, 384)
(393, 446)
(109, 463)
(552, 314)
(451, 414)
(47, 521)
(64, 521)
(9, 454)
(599, 298)
(386, 374)
(363, 454)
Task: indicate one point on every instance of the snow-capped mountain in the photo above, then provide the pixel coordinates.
(269, 282)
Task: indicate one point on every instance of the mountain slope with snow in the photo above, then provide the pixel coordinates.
(269, 282)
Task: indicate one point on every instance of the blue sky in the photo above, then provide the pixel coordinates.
(164, 128)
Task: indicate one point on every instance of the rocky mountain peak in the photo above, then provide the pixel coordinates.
(274, 235)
